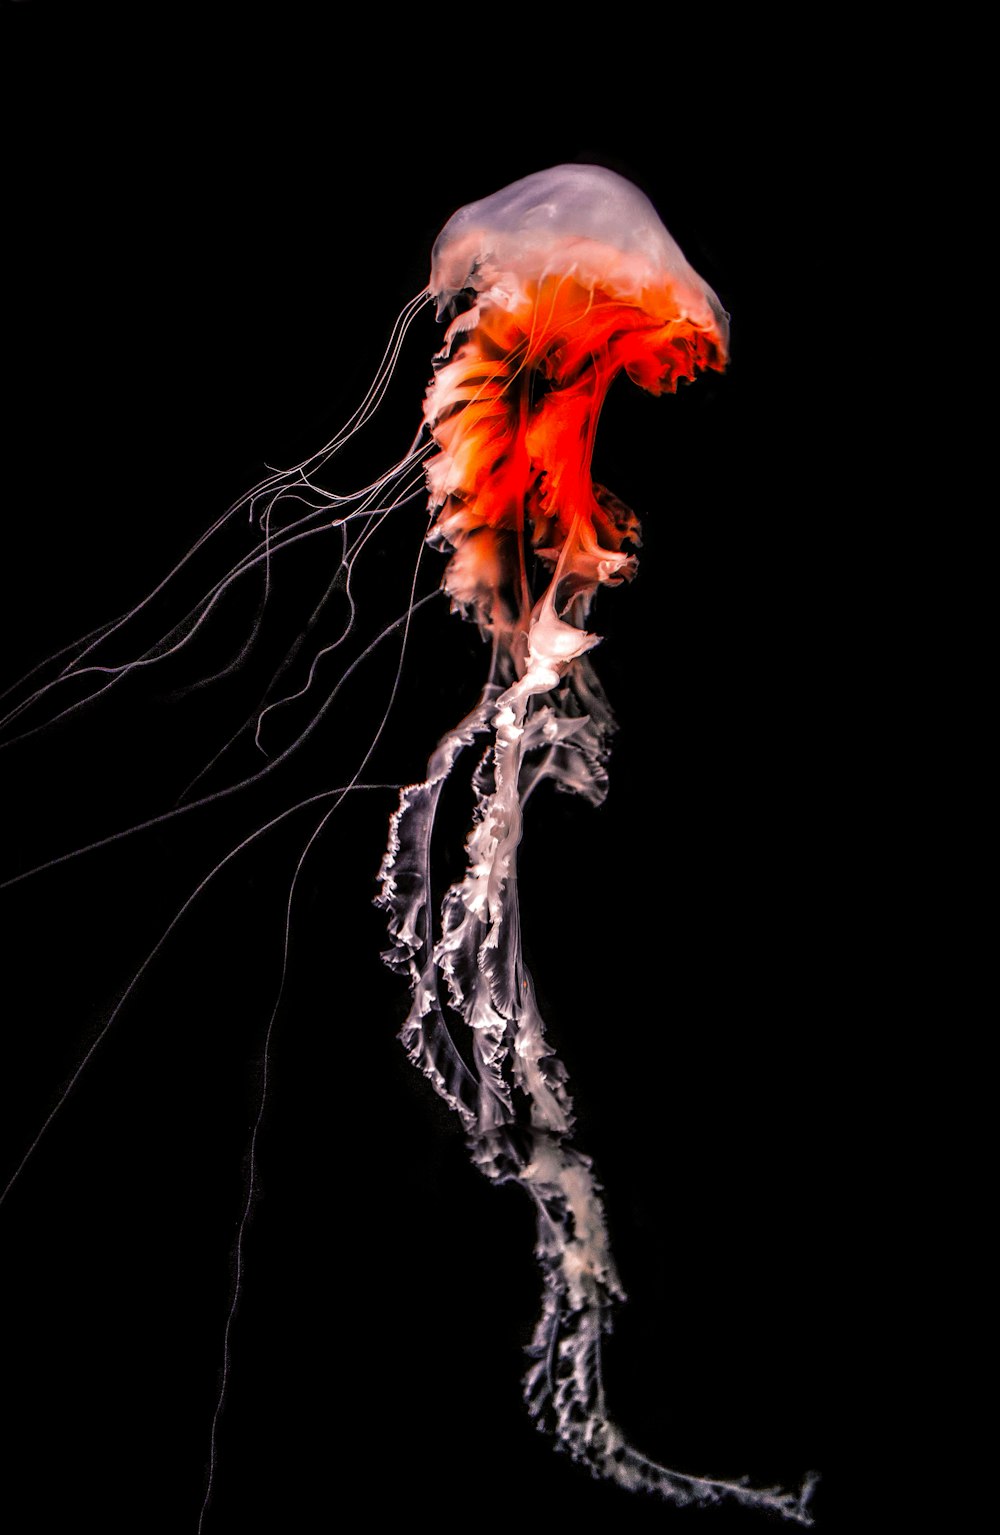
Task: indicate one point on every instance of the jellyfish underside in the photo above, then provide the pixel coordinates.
(553, 287)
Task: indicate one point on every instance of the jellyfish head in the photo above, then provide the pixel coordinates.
(569, 277)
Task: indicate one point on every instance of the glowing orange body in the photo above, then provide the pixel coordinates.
(514, 411)
(532, 382)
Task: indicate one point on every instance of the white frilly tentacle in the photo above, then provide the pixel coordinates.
(500, 1075)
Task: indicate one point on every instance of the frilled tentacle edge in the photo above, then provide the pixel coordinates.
(468, 976)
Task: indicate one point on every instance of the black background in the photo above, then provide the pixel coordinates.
(210, 240)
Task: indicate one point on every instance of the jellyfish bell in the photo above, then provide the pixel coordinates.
(578, 221)
(570, 278)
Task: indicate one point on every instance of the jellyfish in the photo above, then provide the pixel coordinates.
(551, 288)
(569, 278)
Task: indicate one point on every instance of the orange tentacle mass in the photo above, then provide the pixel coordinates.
(514, 408)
